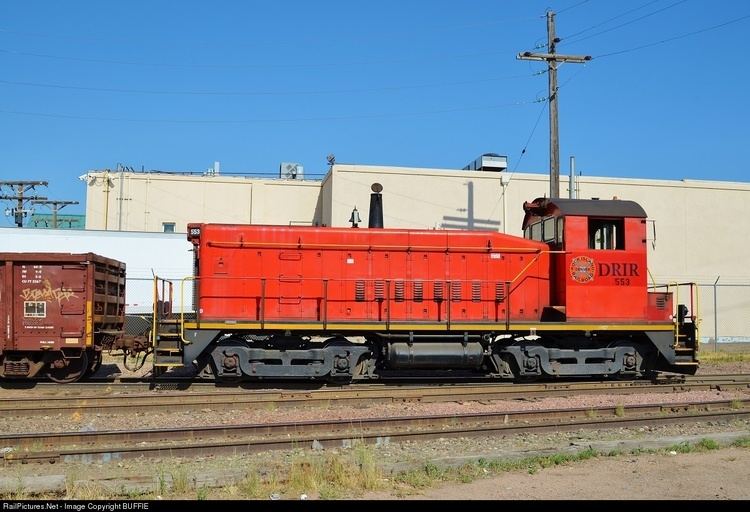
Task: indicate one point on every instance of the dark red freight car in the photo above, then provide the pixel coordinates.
(58, 310)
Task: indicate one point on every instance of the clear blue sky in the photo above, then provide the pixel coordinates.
(177, 85)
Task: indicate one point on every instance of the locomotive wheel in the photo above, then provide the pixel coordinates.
(73, 371)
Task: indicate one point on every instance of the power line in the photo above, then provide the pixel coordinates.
(572, 7)
(569, 36)
(681, 36)
(571, 77)
(265, 93)
(521, 155)
(528, 141)
(627, 22)
(246, 66)
(268, 120)
(289, 41)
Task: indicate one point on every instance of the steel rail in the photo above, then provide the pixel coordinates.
(220, 398)
(236, 439)
(186, 383)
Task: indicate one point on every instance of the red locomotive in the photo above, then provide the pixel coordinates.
(568, 299)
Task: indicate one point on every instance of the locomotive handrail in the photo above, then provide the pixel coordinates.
(534, 260)
(370, 247)
(674, 283)
(154, 316)
(182, 308)
(262, 289)
(694, 307)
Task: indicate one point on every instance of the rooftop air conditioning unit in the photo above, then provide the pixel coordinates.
(291, 171)
(488, 162)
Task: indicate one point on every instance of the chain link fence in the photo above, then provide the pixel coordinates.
(724, 312)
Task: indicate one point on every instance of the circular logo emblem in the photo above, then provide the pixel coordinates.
(582, 269)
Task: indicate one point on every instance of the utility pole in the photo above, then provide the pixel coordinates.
(20, 188)
(552, 58)
(55, 206)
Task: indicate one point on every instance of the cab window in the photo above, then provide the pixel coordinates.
(536, 231)
(548, 230)
(606, 234)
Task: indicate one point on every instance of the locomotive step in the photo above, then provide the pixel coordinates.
(168, 344)
(168, 353)
(160, 360)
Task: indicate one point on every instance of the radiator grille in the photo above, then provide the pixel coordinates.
(398, 292)
(418, 291)
(359, 291)
(500, 292)
(476, 291)
(379, 290)
(438, 291)
(456, 291)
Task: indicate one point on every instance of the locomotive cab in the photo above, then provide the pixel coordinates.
(598, 260)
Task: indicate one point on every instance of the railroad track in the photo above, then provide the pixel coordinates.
(114, 401)
(106, 446)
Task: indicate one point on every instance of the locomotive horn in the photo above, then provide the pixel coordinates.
(376, 206)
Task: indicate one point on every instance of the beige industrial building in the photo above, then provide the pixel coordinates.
(693, 231)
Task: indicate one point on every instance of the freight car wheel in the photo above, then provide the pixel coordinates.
(96, 363)
(70, 372)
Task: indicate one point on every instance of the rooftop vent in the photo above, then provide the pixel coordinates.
(488, 162)
(291, 171)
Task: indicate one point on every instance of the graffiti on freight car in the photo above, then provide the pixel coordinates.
(47, 293)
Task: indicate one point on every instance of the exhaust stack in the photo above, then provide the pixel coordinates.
(376, 206)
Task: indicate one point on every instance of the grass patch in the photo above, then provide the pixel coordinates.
(88, 491)
(201, 494)
(330, 475)
(424, 477)
(742, 442)
(708, 444)
(703, 445)
(619, 410)
(724, 357)
(681, 448)
(251, 486)
(431, 474)
(180, 481)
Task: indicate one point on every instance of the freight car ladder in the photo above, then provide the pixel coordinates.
(166, 338)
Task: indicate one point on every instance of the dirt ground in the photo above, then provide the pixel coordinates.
(714, 475)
